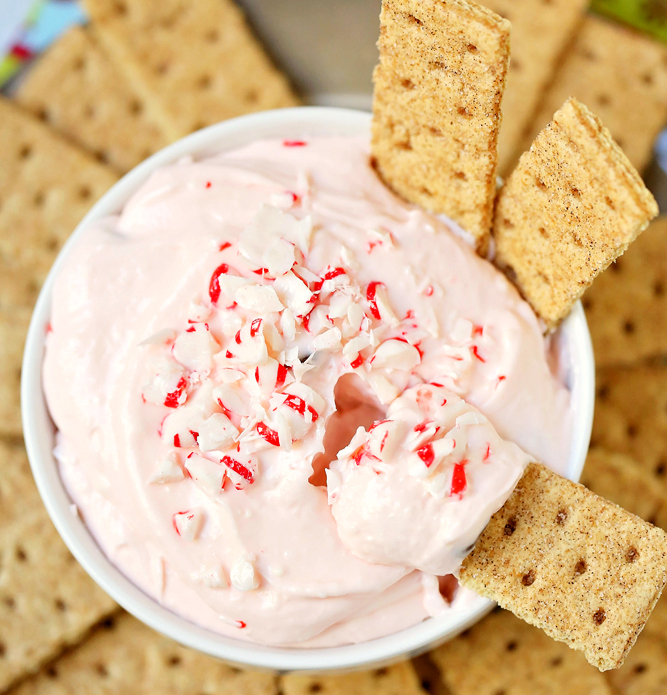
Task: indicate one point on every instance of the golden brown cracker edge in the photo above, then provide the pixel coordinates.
(436, 107)
(563, 559)
(572, 205)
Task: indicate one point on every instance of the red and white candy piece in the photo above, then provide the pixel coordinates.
(294, 293)
(378, 302)
(241, 469)
(194, 348)
(208, 475)
(396, 354)
(242, 574)
(167, 470)
(217, 432)
(234, 400)
(188, 524)
(168, 387)
(260, 299)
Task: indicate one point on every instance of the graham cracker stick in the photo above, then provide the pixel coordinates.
(584, 570)
(436, 108)
(79, 92)
(504, 654)
(626, 308)
(125, 656)
(193, 63)
(540, 34)
(48, 601)
(572, 205)
(631, 418)
(13, 329)
(645, 671)
(619, 73)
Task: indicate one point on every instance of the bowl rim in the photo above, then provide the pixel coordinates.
(38, 427)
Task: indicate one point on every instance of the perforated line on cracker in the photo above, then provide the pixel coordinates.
(572, 205)
(504, 654)
(622, 75)
(398, 679)
(584, 570)
(48, 601)
(194, 64)
(125, 656)
(46, 187)
(78, 91)
(436, 108)
(631, 417)
(541, 32)
(626, 308)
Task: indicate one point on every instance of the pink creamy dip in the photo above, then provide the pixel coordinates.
(201, 342)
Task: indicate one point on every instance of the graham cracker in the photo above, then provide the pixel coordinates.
(13, 329)
(619, 73)
(502, 654)
(436, 107)
(623, 481)
(399, 679)
(540, 33)
(125, 656)
(626, 307)
(46, 187)
(47, 601)
(563, 559)
(572, 205)
(193, 63)
(645, 671)
(631, 417)
(78, 91)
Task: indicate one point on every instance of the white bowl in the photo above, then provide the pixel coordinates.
(573, 341)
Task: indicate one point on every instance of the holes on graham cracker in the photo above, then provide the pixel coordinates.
(660, 469)
(510, 526)
(609, 202)
(315, 687)
(102, 670)
(407, 84)
(120, 8)
(599, 616)
(38, 199)
(174, 660)
(561, 517)
(85, 192)
(436, 65)
(463, 111)
(414, 20)
(52, 672)
(515, 65)
(135, 107)
(580, 567)
(575, 192)
(640, 668)
(251, 96)
(25, 151)
(60, 605)
(471, 48)
(21, 554)
(10, 602)
(528, 578)
(89, 111)
(511, 646)
(658, 288)
(556, 661)
(631, 430)
(540, 184)
(588, 54)
(647, 78)
(212, 36)
(79, 64)
(632, 554)
(205, 82)
(108, 624)
(3, 649)
(380, 672)
(629, 327)
(603, 100)
(162, 68)
(543, 232)
(102, 156)
(460, 175)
